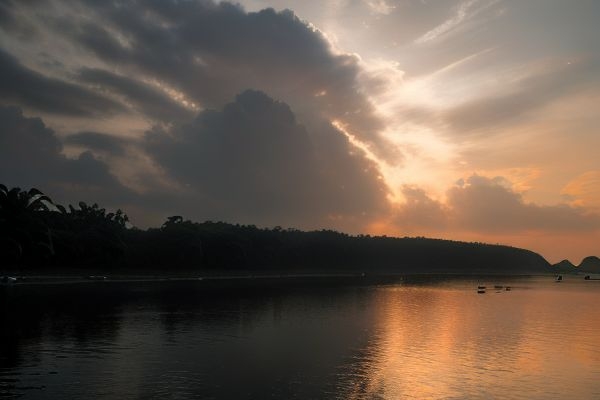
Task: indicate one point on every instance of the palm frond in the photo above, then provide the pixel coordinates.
(34, 192)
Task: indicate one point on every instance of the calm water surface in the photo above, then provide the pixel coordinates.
(171, 340)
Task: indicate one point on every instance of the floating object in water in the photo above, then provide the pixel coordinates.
(480, 291)
(97, 278)
(8, 280)
(558, 278)
(481, 287)
(508, 288)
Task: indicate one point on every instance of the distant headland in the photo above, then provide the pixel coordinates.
(589, 264)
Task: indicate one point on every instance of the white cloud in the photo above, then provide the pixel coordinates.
(463, 13)
(380, 6)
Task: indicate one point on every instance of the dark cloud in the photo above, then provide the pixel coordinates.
(19, 84)
(93, 36)
(11, 22)
(30, 156)
(253, 162)
(210, 52)
(97, 142)
(7, 19)
(150, 101)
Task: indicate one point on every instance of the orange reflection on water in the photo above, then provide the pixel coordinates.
(539, 340)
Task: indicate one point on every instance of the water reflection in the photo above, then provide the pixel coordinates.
(172, 340)
(449, 342)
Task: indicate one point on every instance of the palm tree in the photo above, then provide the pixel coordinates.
(92, 235)
(23, 231)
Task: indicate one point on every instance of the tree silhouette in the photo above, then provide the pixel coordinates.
(89, 234)
(36, 232)
(175, 219)
(23, 233)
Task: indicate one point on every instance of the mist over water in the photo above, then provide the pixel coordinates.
(412, 340)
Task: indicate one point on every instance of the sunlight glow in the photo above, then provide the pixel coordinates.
(174, 94)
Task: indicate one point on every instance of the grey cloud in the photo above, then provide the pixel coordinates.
(487, 205)
(151, 102)
(97, 142)
(7, 19)
(93, 36)
(420, 211)
(213, 51)
(253, 162)
(11, 23)
(19, 84)
(85, 170)
(528, 95)
(30, 156)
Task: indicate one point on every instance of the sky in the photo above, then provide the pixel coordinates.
(472, 120)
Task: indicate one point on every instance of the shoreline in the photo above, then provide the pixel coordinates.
(259, 277)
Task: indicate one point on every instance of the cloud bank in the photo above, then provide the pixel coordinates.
(31, 156)
(253, 161)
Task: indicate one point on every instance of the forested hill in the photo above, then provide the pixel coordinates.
(226, 246)
(37, 234)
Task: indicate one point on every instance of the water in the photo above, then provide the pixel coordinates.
(169, 340)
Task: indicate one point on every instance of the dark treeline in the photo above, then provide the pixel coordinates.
(37, 234)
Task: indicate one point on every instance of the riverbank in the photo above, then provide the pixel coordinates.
(252, 278)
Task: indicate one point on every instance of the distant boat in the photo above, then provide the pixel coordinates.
(508, 288)
(480, 291)
(558, 278)
(481, 287)
(591, 278)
